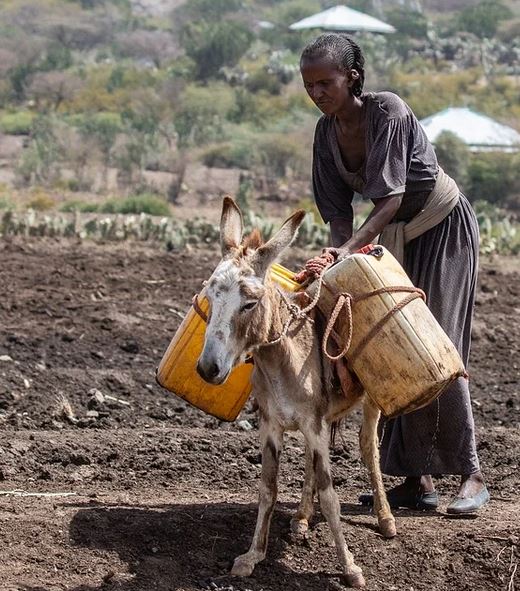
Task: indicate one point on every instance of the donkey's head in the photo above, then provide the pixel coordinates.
(237, 292)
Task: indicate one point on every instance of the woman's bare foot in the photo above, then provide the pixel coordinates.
(472, 495)
(471, 485)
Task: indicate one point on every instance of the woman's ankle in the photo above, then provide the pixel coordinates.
(420, 484)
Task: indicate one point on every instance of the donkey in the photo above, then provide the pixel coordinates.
(293, 383)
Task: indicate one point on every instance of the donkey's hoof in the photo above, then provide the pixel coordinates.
(387, 527)
(355, 580)
(299, 526)
(243, 566)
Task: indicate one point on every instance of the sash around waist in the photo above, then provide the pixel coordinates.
(439, 204)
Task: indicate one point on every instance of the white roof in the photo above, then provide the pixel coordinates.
(341, 18)
(474, 129)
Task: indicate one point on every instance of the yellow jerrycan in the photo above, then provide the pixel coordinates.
(396, 347)
(177, 370)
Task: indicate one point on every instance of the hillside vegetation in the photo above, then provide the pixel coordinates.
(112, 96)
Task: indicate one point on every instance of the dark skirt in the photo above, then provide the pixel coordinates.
(440, 438)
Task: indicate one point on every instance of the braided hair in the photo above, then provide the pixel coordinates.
(342, 51)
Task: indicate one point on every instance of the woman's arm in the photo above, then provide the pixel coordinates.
(383, 212)
(340, 231)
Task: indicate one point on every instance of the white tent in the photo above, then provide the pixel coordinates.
(341, 18)
(478, 131)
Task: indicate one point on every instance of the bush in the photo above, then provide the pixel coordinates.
(216, 44)
(41, 202)
(493, 177)
(227, 155)
(6, 202)
(279, 154)
(145, 203)
(454, 156)
(18, 123)
(408, 23)
(483, 19)
(263, 80)
(78, 205)
(202, 112)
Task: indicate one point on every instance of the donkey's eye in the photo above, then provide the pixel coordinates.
(248, 306)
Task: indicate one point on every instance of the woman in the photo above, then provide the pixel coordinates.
(373, 144)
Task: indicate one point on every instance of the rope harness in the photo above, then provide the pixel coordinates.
(344, 301)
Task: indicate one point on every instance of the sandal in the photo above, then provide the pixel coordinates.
(397, 498)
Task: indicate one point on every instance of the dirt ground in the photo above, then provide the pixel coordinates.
(147, 493)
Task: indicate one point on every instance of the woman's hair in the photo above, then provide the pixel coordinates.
(342, 52)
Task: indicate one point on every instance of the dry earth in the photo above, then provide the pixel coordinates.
(163, 496)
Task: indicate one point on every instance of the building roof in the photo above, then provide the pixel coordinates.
(342, 18)
(478, 131)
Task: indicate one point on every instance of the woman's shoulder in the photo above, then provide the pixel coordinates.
(323, 126)
(388, 104)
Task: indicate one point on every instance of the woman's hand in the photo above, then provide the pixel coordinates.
(316, 266)
(338, 253)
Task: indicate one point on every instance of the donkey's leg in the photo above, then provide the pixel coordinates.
(370, 453)
(318, 445)
(300, 522)
(271, 441)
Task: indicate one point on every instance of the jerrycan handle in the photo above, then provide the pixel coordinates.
(371, 249)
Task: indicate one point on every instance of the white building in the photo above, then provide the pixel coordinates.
(479, 132)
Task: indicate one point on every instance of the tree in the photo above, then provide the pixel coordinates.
(493, 176)
(216, 44)
(40, 159)
(408, 23)
(483, 19)
(201, 112)
(50, 89)
(454, 156)
(157, 47)
(103, 128)
(204, 10)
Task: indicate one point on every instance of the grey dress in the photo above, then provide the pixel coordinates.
(438, 439)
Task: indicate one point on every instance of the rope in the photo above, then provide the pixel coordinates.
(295, 312)
(343, 299)
(198, 309)
(346, 300)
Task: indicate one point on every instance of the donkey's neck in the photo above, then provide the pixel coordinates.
(284, 353)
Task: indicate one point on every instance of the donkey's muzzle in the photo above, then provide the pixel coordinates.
(210, 372)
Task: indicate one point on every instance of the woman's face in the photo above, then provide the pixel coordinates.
(326, 85)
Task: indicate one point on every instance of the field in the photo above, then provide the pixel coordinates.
(163, 497)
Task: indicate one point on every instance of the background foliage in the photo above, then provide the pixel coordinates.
(95, 86)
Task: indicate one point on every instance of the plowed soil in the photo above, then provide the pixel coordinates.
(109, 482)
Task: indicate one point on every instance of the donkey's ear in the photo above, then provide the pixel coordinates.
(230, 226)
(268, 253)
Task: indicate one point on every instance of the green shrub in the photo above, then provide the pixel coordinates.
(454, 156)
(227, 155)
(145, 203)
(41, 202)
(6, 202)
(483, 19)
(263, 80)
(212, 45)
(201, 113)
(78, 205)
(278, 153)
(493, 177)
(18, 123)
